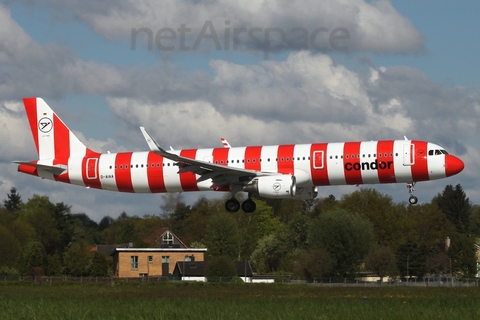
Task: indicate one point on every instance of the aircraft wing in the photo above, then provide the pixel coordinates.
(220, 175)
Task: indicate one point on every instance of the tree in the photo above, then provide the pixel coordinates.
(475, 221)
(463, 256)
(77, 259)
(45, 228)
(323, 205)
(13, 201)
(382, 261)
(54, 265)
(126, 232)
(33, 257)
(99, 267)
(105, 223)
(264, 221)
(456, 206)
(313, 264)
(346, 236)
(438, 262)
(221, 236)
(220, 267)
(270, 251)
(388, 220)
(428, 225)
(411, 259)
(9, 248)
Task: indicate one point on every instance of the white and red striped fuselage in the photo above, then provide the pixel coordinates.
(278, 171)
(345, 163)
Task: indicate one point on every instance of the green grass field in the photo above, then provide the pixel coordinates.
(232, 301)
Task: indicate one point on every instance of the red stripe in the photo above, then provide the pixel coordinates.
(188, 180)
(61, 138)
(123, 173)
(385, 159)
(28, 169)
(156, 181)
(220, 156)
(92, 183)
(319, 174)
(351, 154)
(31, 109)
(285, 163)
(252, 158)
(420, 168)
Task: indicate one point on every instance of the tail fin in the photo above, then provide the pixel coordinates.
(52, 137)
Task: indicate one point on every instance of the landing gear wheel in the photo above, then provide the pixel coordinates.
(232, 205)
(248, 206)
(413, 200)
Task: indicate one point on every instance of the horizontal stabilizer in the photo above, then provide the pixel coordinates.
(56, 169)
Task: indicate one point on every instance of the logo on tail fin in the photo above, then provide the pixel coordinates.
(45, 125)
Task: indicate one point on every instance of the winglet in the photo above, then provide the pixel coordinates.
(152, 144)
(225, 143)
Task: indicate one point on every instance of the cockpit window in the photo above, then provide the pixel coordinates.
(437, 152)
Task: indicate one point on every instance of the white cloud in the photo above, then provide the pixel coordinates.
(372, 26)
(305, 98)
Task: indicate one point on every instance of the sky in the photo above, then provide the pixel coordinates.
(254, 72)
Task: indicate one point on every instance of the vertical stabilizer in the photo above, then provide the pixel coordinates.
(52, 137)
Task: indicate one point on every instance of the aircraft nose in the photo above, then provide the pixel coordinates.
(453, 165)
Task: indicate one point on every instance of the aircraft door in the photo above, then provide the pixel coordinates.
(91, 168)
(408, 154)
(318, 159)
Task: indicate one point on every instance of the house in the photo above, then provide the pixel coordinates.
(195, 271)
(164, 238)
(190, 271)
(141, 262)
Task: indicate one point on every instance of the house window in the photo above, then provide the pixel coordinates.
(165, 259)
(168, 237)
(150, 258)
(134, 262)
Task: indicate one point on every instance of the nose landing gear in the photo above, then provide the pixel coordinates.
(412, 199)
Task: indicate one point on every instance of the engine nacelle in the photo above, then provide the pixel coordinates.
(279, 186)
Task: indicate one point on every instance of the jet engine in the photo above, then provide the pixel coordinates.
(277, 186)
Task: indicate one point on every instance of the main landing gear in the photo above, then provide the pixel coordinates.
(412, 199)
(248, 206)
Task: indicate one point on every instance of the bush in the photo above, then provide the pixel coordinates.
(220, 267)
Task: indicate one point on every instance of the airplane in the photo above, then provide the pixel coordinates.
(293, 171)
